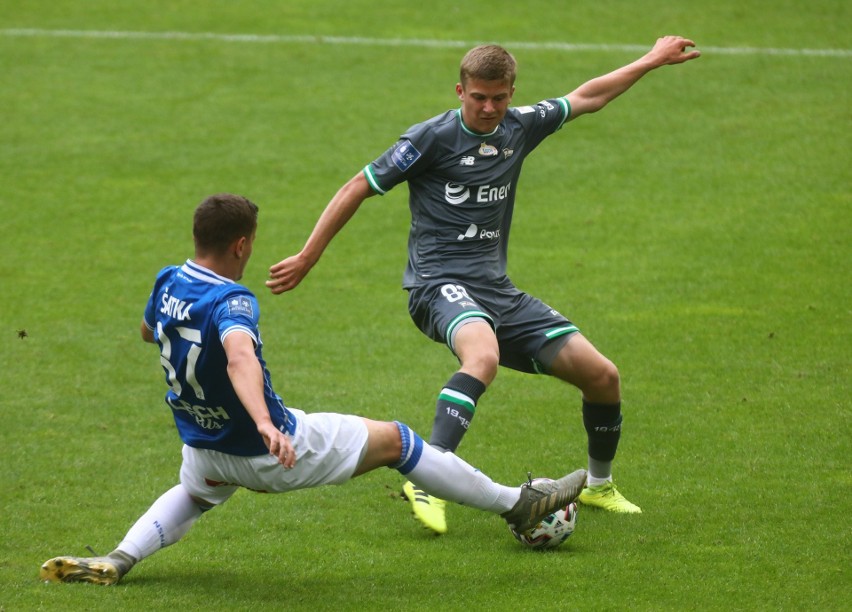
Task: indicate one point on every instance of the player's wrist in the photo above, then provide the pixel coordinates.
(308, 259)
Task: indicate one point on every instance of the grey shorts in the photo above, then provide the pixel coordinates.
(523, 324)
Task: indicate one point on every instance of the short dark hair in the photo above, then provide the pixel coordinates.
(488, 63)
(220, 220)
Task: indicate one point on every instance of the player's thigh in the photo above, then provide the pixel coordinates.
(526, 326)
(199, 477)
(329, 448)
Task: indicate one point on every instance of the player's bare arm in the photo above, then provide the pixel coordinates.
(147, 334)
(246, 376)
(598, 92)
(288, 273)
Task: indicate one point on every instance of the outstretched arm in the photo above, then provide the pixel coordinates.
(288, 273)
(246, 376)
(597, 93)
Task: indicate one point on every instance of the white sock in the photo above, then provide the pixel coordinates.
(166, 521)
(448, 477)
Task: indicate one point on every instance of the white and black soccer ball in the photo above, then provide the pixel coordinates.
(553, 529)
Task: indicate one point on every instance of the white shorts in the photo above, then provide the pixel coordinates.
(329, 447)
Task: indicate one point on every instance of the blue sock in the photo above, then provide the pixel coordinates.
(412, 449)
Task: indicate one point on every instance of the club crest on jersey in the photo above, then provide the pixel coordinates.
(486, 150)
(240, 304)
(405, 155)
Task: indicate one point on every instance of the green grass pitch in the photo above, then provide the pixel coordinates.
(697, 230)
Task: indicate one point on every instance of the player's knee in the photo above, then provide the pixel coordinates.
(489, 361)
(610, 377)
(600, 382)
(202, 504)
(606, 381)
(482, 364)
(477, 349)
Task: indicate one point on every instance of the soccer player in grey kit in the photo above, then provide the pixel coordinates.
(462, 168)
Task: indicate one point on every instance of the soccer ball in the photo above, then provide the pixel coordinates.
(552, 530)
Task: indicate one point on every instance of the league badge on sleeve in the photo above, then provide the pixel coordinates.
(405, 155)
(240, 305)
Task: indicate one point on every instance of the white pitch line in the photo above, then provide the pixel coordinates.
(397, 42)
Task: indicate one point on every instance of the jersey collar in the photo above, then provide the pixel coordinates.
(190, 268)
(471, 132)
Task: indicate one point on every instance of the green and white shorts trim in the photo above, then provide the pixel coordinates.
(466, 317)
(557, 339)
(524, 325)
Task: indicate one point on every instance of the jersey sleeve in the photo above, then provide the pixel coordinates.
(542, 119)
(407, 158)
(150, 316)
(238, 312)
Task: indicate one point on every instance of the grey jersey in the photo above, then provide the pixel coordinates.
(462, 189)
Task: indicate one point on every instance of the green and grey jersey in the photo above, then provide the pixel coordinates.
(462, 189)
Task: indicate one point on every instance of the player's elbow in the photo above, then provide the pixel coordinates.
(147, 334)
(593, 105)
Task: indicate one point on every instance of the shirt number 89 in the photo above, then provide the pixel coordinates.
(454, 293)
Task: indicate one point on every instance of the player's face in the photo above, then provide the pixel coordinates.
(484, 103)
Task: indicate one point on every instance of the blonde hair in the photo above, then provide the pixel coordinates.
(488, 63)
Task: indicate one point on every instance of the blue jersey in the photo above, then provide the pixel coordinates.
(191, 310)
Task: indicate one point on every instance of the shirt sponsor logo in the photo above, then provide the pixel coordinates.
(206, 417)
(240, 305)
(467, 160)
(487, 193)
(469, 233)
(456, 194)
(473, 231)
(405, 155)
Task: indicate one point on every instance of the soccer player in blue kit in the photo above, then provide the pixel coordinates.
(462, 169)
(236, 430)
